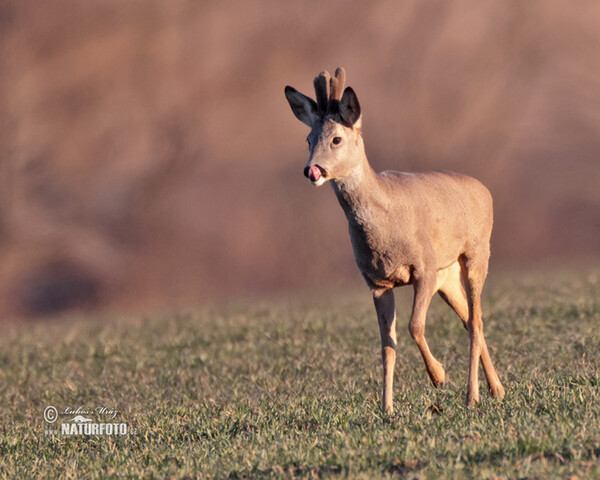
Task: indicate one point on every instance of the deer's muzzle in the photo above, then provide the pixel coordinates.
(314, 172)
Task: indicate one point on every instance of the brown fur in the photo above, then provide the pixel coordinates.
(430, 230)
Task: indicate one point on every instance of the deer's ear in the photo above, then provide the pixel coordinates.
(349, 107)
(304, 108)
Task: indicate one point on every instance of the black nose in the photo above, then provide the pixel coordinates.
(306, 169)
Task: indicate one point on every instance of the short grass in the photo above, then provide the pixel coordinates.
(291, 389)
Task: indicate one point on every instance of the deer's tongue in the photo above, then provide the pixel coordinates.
(314, 173)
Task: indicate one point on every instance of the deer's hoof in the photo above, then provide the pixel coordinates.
(497, 391)
(438, 376)
(439, 383)
(471, 399)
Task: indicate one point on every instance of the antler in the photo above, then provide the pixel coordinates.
(328, 102)
(337, 89)
(321, 82)
(337, 84)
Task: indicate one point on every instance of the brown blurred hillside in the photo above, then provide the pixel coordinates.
(148, 155)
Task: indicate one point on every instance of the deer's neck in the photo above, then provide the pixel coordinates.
(359, 192)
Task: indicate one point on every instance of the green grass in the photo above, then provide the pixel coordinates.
(291, 389)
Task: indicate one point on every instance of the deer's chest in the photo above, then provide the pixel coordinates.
(383, 259)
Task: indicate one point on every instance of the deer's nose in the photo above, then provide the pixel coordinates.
(306, 169)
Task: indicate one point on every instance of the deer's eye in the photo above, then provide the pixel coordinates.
(336, 140)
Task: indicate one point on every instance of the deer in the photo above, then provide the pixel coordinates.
(430, 230)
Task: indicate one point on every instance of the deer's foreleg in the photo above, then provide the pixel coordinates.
(386, 316)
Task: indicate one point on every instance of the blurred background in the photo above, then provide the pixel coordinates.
(148, 156)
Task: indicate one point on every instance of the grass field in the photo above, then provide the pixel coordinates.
(291, 388)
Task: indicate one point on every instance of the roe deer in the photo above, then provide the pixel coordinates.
(430, 229)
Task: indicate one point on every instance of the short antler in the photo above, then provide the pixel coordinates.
(337, 89)
(321, 82)
(328, 102)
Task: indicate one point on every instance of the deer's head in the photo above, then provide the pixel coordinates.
(335, 140)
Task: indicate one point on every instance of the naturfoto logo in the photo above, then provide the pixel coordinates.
(80, 421)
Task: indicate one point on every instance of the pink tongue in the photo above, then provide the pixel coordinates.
(314, 173)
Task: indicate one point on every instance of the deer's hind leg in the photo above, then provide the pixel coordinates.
(452, 291)
(473, 273)
(425, 287)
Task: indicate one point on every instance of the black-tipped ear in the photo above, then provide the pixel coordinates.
(303, 107)
(349, 107)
